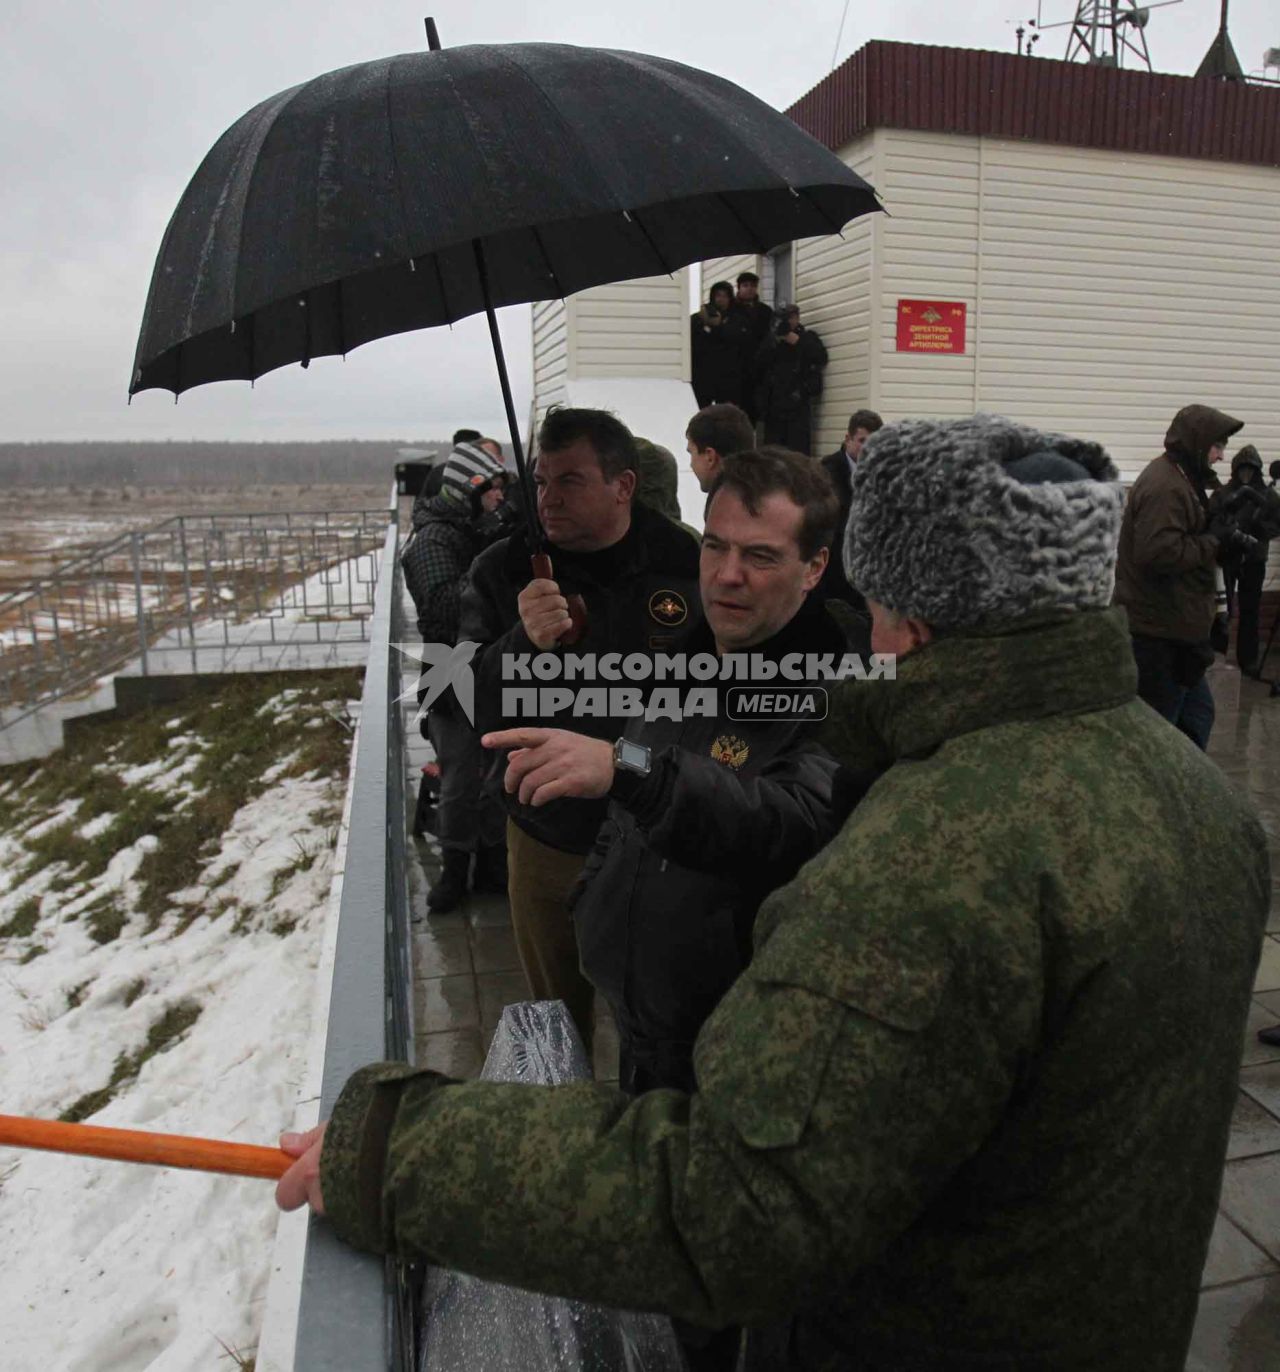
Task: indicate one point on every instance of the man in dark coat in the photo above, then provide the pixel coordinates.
(637, 572)
(713, 434)
(708, 813)
(789, 364)
(839, 467)
(716, 340)
(1256, 509)
(1166, 568)
(731, 804)
(759, 320)
(450, 531)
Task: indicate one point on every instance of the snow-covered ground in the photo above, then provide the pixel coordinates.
(201, 1020)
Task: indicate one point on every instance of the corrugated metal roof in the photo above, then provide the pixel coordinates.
(1001, 95)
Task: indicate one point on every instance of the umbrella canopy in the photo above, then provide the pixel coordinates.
(369, 201)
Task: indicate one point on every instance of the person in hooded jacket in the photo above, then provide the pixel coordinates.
(450, 531)
(1169, 550)
(717, 338)
(789, 364)
(658, 485)
(1256, 507)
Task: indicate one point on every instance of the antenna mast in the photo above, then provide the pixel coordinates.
(1110, 33)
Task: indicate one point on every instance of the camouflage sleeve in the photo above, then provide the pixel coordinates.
(821, 1129)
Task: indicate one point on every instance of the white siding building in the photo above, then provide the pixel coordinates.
(630, 329)
(1114, 237)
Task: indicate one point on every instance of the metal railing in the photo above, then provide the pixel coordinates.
(190, 583)
(357, 1313)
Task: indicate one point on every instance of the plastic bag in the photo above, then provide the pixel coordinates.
(478, 1326)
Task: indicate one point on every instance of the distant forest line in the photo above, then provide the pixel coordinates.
(341, 462)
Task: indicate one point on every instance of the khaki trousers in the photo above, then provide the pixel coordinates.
(539, 879)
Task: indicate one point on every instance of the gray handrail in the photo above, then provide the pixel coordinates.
(355, 1312)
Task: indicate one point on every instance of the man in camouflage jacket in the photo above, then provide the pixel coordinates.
(967, 1107)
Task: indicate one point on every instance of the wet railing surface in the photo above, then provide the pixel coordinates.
(194, 582)
(356, 1312)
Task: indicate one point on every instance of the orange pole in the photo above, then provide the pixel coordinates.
(135, 1145)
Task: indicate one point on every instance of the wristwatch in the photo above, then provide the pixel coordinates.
(635, 758)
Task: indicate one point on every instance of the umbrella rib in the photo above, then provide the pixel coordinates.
(404, 215)
(835, 228)
(648, 238)
(747, 229)
(571, 133)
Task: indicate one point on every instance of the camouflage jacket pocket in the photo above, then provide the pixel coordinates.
(764, 1060)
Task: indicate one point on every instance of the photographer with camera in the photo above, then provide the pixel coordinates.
(789, 363)
(717, 333)
(457, 525)
(1254, 509)
(1169, 551)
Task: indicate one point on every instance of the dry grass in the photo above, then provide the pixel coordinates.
(238, 739)
(163, 1034)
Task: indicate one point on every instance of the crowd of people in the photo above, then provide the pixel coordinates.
(767, 363)
(929, 1012)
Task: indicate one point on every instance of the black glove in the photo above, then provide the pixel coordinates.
(1234, 545)
(1220, 525)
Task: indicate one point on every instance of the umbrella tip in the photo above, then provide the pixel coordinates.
(433, 38)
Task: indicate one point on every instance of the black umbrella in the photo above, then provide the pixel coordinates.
(414, 191)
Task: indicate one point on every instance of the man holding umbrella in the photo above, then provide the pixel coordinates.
(637, 571)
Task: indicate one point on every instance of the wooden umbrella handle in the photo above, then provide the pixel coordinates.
(136, 1145)
(577, 606)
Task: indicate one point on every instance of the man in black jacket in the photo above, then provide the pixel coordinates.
(839, 467)
(708, 814)
(1256, 510)
(637, 573)
(789, 363)
(759, 320)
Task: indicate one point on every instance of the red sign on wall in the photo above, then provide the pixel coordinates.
(931, 326)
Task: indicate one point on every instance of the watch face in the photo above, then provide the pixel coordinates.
(634, 756)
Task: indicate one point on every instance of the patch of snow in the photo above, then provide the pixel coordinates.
(110, 1265)
(162, 773)
(96, 826)
(58, 815)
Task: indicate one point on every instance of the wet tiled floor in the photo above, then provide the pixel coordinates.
(1238, 1329)
(467, 969)
(465, 964)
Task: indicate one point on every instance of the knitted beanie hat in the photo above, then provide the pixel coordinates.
(975, 523)
(468, 470)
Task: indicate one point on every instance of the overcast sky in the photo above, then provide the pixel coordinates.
(106, 109)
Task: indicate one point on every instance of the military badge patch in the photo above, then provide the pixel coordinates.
(668, 607)
(730, 750)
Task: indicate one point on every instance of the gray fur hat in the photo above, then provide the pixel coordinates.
(976, 523)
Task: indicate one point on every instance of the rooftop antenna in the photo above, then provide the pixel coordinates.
(1221, 62)
(1109, 33)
